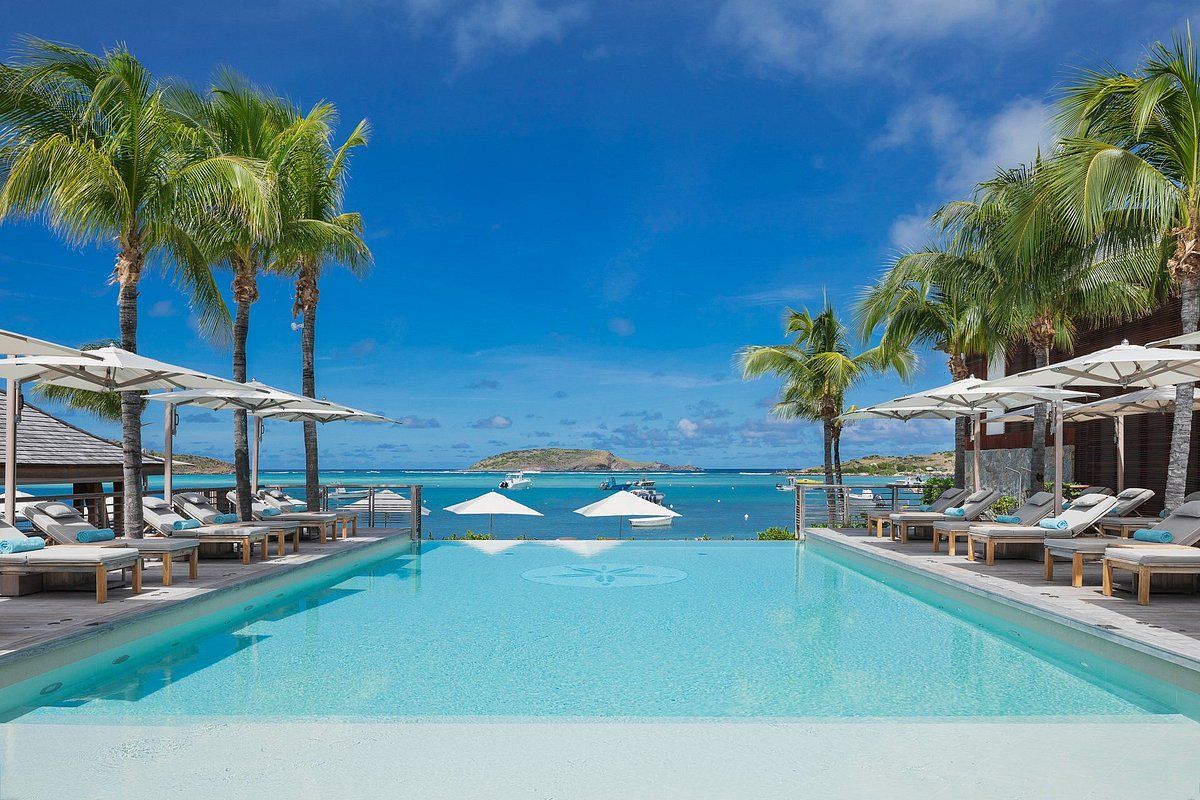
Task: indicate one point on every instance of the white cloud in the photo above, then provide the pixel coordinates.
(812, 36)
(621, 326)
(781, 295)
(496, 422)
(163, 308)
(910, 231)
(687, 427)
(512, 25)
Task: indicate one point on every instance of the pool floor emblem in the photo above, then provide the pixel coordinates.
(604, 576)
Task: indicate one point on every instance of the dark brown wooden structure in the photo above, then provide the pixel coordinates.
(1147, 436)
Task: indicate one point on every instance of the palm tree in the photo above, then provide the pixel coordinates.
(317, 233)
(818, 370)
(1128, 163)
(1042, 280)
(88, 144)
(238, 118)
(925, 299)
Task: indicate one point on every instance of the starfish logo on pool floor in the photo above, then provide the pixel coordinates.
(604, 576)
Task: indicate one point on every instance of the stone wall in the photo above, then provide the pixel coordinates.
(1008, 470)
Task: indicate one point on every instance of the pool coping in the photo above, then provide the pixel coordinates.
(25, 663)
(1180, 652)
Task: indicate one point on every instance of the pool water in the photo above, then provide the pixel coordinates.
(517, 630)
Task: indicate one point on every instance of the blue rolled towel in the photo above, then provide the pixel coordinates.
(1151, 535)
(97, 535)
(1162, 514)
(955, 512)
(1054, 524)
(1009, 518)
(298, 507)
(1066, 504)
(21, 544)
(221, 519)
(185, 524)
(271, 512)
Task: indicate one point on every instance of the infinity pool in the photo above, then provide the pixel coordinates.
(553, 643)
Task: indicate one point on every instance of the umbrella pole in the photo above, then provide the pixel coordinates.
(254, 455)
(975, 457)
(1120, 425)
(168, 449)
(10, 450)
(491, 524)
(1056, 410)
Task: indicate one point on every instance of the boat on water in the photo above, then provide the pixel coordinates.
(793, 482)
(652, 495)
(342, 493)
(644, 483)
(616, 485)
(909, 480)
(650, 522)
(515, 480)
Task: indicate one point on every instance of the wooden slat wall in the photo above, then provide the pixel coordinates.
(1147, 437)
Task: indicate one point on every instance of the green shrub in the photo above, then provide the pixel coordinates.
(932, 487)
(774, 534)
(1005, 505)
(471, 536)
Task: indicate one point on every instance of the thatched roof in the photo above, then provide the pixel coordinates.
(50, 450)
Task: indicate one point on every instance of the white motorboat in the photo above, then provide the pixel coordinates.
(793, 482)
(650, 522)
(515, 480)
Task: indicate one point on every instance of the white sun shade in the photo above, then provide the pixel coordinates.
(1178, 341)
(250, 397)
(973, 394)
(625, 504)
(18, 344)
(1126, 365)
(109, 369)
(905, 413)
(492, 503)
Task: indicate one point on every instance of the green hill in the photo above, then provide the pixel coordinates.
(556, 459)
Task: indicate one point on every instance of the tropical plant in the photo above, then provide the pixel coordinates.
(927, 298)
(101, 405)
(238, 118)
(932, 488)
(88, 144)
(818, 369)
(1129, 164)
(776, 534)
(317, 233)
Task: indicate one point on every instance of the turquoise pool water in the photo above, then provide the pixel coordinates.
(593, 630)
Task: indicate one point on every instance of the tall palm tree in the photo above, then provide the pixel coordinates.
(925, 299)
(88, 144)
(317, 233)
(1043, 279)
(238, 118)
(1129, 162)
(818, 369)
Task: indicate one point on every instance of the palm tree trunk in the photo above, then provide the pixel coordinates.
(245, 292)
(307, 296)
(1037, 450)
(837, 454)
(128, 273)
(1181, 427)
(958, 372)
(830, 494)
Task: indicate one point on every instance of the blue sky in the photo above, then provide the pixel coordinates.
(579, 210)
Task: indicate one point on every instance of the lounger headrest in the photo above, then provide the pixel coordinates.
(194, 497)
(975, 497)
(1131, 493)
(58, 510)
(1088, 500)
(277, 494)
(1040, 499)
(155, 503)
(1189, 509)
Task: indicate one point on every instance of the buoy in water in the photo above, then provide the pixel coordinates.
(745, 516)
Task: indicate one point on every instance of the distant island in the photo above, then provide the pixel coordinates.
(556, 459)
(184, 464)
(940, 463)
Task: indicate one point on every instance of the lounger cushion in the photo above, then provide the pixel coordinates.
(1165, 557)
(75, 554)
(59, 510)
(159, 544)
(156, 503)
(1088, 500)
(917, 516)
(1090, 544)
(1017, 531)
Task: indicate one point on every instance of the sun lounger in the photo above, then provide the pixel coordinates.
(319, 522)
(1144, 562)
(163, 520)
(347, 518)
(1122, 525)
(1033, 510)
(973, 505)
(63, 524)
(196, 506)
(950, 497)
(1183, 524)
(1084, 512)
(87, 559)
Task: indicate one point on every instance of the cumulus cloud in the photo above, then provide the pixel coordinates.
(621, 326)
(687, 427)
(484, 384)
(810, 37)
(910, 231)
(493, 422)
(644, 415)
(413, 421)
(460, 446)
(163, 308)
(568, 422)
(560, 394)
(778, 296)
(363, 347)
(512, 25)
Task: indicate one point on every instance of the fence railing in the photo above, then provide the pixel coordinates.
(847, 506)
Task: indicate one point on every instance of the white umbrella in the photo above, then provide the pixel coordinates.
(491, 504)
(974, 396)
(386, 502)
(903, 414)
(105, 369)
(625, 504)
(1124, 365)
(1183, 340)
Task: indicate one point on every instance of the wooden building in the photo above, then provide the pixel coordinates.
(1147, 436)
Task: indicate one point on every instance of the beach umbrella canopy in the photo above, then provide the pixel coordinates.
(386, 502)
(491, 504)
(624, 504)
(904, 413)
(1178, 341)
(18, 344)
(1125, 365)
(109, 369)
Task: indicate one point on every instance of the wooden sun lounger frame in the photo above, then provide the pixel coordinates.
(99, 570)
(1142, 572)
